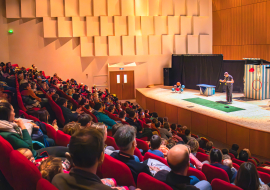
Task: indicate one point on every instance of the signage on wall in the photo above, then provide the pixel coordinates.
(121, 69)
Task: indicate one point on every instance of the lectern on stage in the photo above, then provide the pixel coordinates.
(257, 79)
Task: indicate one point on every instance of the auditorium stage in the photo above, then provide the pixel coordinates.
(249, 127)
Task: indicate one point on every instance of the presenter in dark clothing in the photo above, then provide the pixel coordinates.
(228, 80)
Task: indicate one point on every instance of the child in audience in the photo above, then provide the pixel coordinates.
(155, 143)
(50, 167)
(71, 128)
(209, 146)
(228, 162)
(27, 153)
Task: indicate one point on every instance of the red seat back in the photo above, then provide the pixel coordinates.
(239, 162)
(147, 182)
(252, 161)
(212, 172)
(44, 184)
(112, 168)
(218, 184)
(25, 173)
(142, 145)
(202, 157)
(138, 153)
(264, 170)
(5, 150)
(192, 162)
(231, 155)
(195, 172)
(57, 110)
(111, 142)
(148, 155)
(236, 166)
(257, 160)
(265, 177)
(62, 139)
(20, 101)
(201, 150)
(15, 65)
(51, 132)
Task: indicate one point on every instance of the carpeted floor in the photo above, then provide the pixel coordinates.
(214, 105)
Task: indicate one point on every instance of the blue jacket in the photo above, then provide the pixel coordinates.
(105, 119)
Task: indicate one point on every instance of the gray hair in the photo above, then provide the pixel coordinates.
(124, 137)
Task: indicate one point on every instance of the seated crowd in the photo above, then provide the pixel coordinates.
(173, 149)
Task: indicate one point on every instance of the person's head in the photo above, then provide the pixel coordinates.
(227, 162)
(71, 128)
(33, 66)
(111, 109)
(85, 120)
(209, 145)
(160, 119)
(247, 177)
(6, 111)
(170, 145)
(215, 155)
(25, 86)
(55, 97)
(248, 151)
(125, 138)
(173, 126)
(50, 167)
(226, 74)
(122, 114)
(166, 126)
(165, 119)
(132, 114)
(62, 102)
(42, 115)
(202, 143)
(243, 155)
(157, 125)
(235, 147)
(155, 142)
(226, 156)
(27, 153)
(115, 127)
(33, 85)
(98, 106)
(86, 148)
(52, 91)
(178, 159)
(187, 132)
(155, 115)
(102, 128)
(194, 145)
(225, 151)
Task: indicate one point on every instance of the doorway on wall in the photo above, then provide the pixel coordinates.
(122, 84)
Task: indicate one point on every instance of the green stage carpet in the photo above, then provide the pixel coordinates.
(214, 105)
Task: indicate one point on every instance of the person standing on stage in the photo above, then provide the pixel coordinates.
(228, 80)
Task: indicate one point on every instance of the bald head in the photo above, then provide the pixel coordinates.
(178, 159)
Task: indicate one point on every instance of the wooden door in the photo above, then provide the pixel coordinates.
(122, 84)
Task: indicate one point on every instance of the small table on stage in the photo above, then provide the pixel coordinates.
(207, 90)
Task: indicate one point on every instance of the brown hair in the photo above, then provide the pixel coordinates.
(50, 167)
(71, 128)
(194, 145)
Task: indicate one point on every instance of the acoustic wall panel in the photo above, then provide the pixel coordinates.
(28, 8)
(50, 27)
(154, 45)
(120, 26)
(85, 7)
(13, 9)
(134, 26)
(142, 45)
(71, 8)
(101, 45)
(115, 43)
(57, 8)
(106, 26)
(193, 44)
(127, 7)
(64, 27)
(87, 46)
(180, 44)
(204, 7)
(160, 25)
(128, 45)
(43, 8)
(100, 7)
(79, 26)
(167, 7)
(186, 25)
(173, 25)
(141, 7)
(167, 44)
(205, 44)
(154, 7)
(179, 7)
(147, 25)
(192, 7)
(201, 25)
(92, 26)
(114, 7)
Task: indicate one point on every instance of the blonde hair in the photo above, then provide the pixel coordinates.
(194, 145)
(71, 128)
(100, 127)
(50, 167)
(248, 151)
(227, 162)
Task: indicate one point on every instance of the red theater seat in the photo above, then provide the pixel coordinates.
(202, 157)
(62, 139)
(236, 166)
(148, 155)
(265, 177)
(195, 172)
(57, 110)
(111, 142)
(44, 184)
(51, 132)
(212, 172)
(239, 162)
(201, 150)
(147, 182)
(142, 145)
(138, 153)
(252, 161)
(25, 174)
(112, 168)
(264, 170)
(218, 184)
(231, 155)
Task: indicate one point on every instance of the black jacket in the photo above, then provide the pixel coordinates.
(68, 115)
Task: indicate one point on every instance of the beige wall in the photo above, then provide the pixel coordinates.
(52, 35)
(4, 54)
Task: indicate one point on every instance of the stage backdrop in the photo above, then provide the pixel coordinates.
(191, 70)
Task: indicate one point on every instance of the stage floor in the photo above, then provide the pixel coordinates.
(255, 116)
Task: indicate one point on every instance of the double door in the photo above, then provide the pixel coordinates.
(122, 84)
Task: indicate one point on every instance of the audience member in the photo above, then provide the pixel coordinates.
(155, 143)
(85, 120)
(225, 151)
(188, 134)
(234, 150)
(209, 146)
(50, 167)
(165, 131)
(102, 117)
(71, 128)
(194, 145)
(243, 156)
